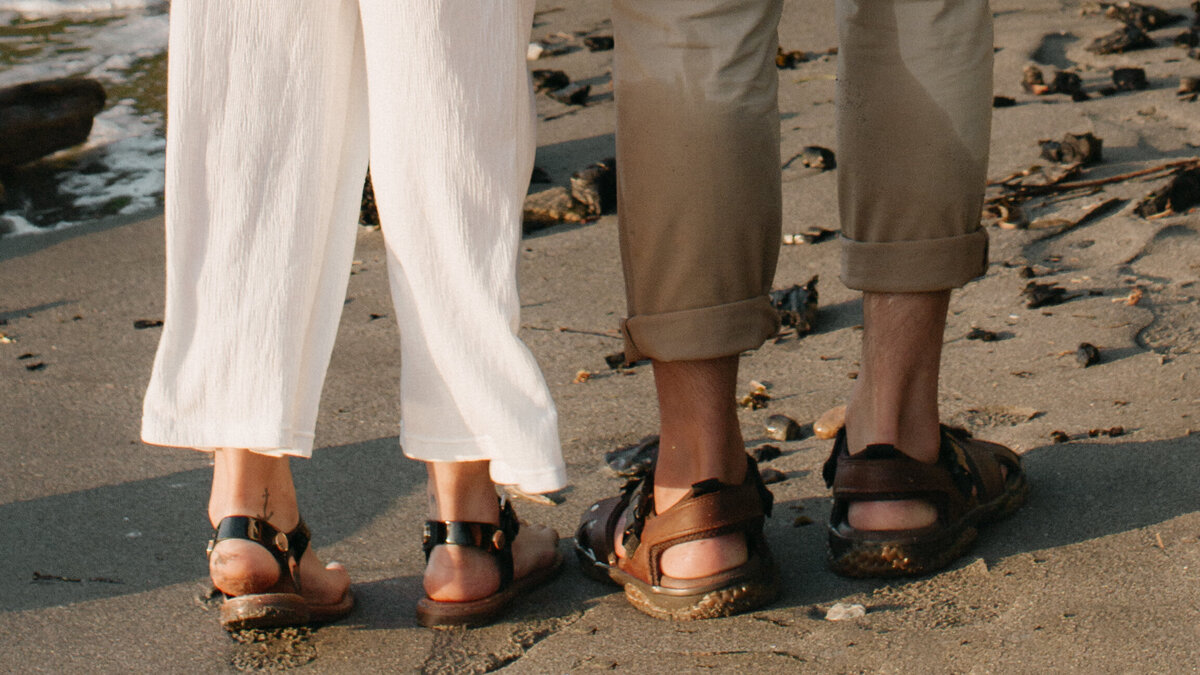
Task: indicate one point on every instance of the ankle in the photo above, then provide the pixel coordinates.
(679, 467)
(251, 484)
(461, 491)
(910, 423)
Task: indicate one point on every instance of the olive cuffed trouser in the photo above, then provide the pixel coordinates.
(698, 147)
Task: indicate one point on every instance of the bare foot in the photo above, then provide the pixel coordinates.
(461, 573)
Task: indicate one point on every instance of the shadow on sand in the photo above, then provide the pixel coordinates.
(142, 535)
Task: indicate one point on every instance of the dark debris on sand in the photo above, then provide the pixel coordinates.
(1124, 39)
(797, 306)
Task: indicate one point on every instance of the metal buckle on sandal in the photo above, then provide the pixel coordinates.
(281, 542)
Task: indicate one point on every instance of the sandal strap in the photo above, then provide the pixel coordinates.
(966, 473)
(495, 540)
(286, 547)
(710, 510)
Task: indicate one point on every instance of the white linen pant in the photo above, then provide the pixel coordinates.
(273, 109)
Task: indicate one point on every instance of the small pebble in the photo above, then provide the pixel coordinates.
(830, 421)
(1059, 436)
(982, 335)
(783, 428)
(1086, 354)
(842, 612)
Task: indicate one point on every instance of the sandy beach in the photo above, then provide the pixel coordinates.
(102, 566)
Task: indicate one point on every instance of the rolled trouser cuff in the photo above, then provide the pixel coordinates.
(914, 266)
(702, 333)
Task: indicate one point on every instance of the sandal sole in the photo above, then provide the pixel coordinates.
(728, 601)
(279, 610)
(264, 610)
(859, 558)
(738, 597)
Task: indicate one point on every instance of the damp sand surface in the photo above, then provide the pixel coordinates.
(103, 567)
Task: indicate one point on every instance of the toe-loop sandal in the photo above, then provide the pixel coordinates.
(710, 510)
(972, 483)
(282, 604)
(495, 540)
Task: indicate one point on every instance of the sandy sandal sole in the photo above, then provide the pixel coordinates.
(741, 594)
(277, 610)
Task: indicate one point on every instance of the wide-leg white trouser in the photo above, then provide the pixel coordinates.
(273, 110)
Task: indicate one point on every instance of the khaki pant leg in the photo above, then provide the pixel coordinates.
(914, 120)
(699, 178)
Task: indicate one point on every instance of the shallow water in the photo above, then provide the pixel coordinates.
(119, 171)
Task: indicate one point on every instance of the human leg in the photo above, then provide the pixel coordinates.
(259, 245)
(695, 86)
(452, 150)
(913, 126)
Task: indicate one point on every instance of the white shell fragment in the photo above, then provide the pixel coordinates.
(842, 612)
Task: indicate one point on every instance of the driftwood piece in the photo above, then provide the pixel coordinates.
(551, 207)
(1124, 39)
(39, 118)
(1181, 193)
(1021, 191)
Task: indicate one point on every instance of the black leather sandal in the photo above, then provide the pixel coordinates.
(496, 541)
(282, 604)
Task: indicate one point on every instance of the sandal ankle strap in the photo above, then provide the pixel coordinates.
(495, 540)
(286, 547)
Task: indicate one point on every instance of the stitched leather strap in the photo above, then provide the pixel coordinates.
(967, 472)
(710, 510)
(495, 540)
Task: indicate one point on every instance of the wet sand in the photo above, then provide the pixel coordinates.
(103, 538)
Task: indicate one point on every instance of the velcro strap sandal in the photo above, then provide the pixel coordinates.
(972, 483)
(496, 541)
(282, 604)
(710, 510)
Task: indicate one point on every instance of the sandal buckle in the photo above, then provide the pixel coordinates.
(499, 540)
(281, 542)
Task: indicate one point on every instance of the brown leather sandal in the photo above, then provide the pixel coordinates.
(495, 540)
(967, 485)
(282, 604)
(710, 510)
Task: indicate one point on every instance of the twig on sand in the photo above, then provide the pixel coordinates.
(578, 331)
(1033, 190)
(1098, 211)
